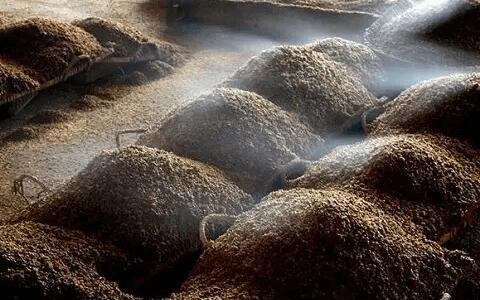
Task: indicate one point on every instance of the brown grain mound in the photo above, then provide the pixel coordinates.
(433, 181)
(43, 48)
(448, 105)
(46, 262)
(325, 82)
(147, 201)
(240, 132)
(441, 32)
(126, 40)
(331, 244)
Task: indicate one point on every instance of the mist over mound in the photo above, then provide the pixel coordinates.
(240, 132)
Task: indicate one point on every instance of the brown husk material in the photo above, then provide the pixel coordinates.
(240, 132)
(147, 201)
(326, 82)
(322, 244)
(431, 180)
(126, 40)
(448, 105)
(354, 5)
(43, 47)
(38, 261)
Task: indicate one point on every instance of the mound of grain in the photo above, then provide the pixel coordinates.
(240, 132)
(433, 180)
(7, 19)
(442, 32)
(448, 105)
(126, 41)
(147, 201)
(47, 262)
(326, 82)
(43, 48)
(311, 244)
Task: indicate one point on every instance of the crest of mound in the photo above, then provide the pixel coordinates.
(47, 262)
(321, 244)
(431, 180)
(448, 105)
(240, 132)
(325, 83)
(148, 202)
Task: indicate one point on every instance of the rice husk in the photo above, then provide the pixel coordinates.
(326, 82)
(330, 244)
(147, 201)
(46, 262)
(442, 33)
(434, 181)
(240, 132)
(43, 48)
(448, 105)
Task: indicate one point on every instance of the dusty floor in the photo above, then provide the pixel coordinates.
(60, 150)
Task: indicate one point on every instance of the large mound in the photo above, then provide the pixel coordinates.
(311, 244)
(327, 82)
(147, 201)
(44, 48)
(45, 262)
(433, 181)
(442, 32)
(449, 106)
(240, 132)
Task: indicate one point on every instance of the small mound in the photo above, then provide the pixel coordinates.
(45, 262)
(149, 202)
(448, 105)
(127, 41)
(49, 117)
(240, 132)
(431, 180)
(311, 244)
(326, 82)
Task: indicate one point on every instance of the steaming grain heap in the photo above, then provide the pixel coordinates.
(45, 262)
(147, 201)
(311, 244)
(431, 180)
(240, 132)
(326, 82)
(449, 106)
(442, 32)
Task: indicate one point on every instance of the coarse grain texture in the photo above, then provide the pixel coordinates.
(432, 180)
(321, 244)
(39, 261)
(447, 105)
(240, 132)
(326, 82)
(439, 32)
(147, 201)
(43, 47)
